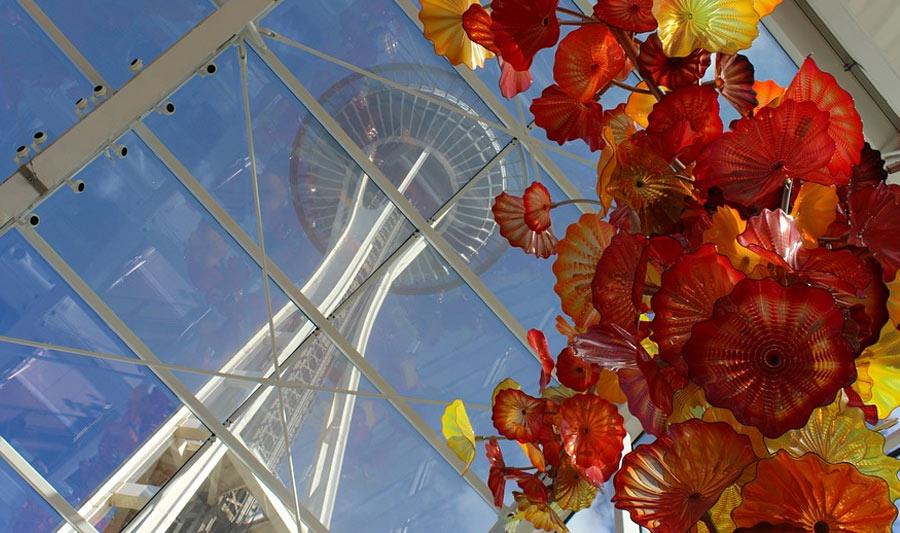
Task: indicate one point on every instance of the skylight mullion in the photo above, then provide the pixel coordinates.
(44, 488)
(234, 444)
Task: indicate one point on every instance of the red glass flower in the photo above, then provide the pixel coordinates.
(521, 28)
(510, 213)
(537, 207)
(751, 163)
(686, 297)
(698, 106)
(771, 354)
(538, 342)
(672, 72)
(734, 79)
(567, 119)
(517, 415)
(630, 15)
(870, 170)
(666, 486)
(592, 432)
(575, 372)
(816, 496)
(845, 127)
(512, 81)
(586, 60)
(477, 23)
(618, 273)
(874, 212)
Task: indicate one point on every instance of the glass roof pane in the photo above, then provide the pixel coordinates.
(358, 463)
(326, 226)
(161, 262)
(111, 33)
(504, 269)
(74, 418)
(427, 150)
(39, 85)
(429, 335)
(21, 508)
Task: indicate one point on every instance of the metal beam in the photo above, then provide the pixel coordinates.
(234, 444)
(43, 487)
(77, 146)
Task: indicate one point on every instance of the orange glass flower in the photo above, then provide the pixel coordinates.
(567, 119)
(666, 486)
(576, 264)
(721, 26)
(630, 15)
(734, 79)
(443, 26)
(522, 28)
(509, 213)
(751, 163)
(592, 432)
(586, 60)
(646, 183)
(811, 494)
(517, 415)
(686, 297)
(672, 72)
(538, 343)
(539, 513)
(810, 84)
(767, 93)
(771, 354)
(571, 490)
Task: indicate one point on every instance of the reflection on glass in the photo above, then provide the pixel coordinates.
(427, 150)
(325, 223)
(74, 418)
(39, 85)
(162, 264)
(111, 33)
(21, 508)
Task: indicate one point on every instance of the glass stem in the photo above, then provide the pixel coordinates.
(576, 201)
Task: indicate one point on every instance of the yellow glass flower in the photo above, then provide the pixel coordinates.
(838, 434)
(877, 369)
(723, 26)
(457, 429)
(443, 26)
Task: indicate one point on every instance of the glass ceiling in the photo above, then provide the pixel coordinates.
(209, 339)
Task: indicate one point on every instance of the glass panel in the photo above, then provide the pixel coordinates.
(425, 149)
(39, 85)
(21, 508)
(358, 463)
(326, 225)
(74, 418)
(429, 335)
(112, 33)
(162, 264)
(504, 269)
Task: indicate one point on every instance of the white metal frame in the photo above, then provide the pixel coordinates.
(230, 24)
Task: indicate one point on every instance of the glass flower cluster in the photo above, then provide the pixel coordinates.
(737, 293)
